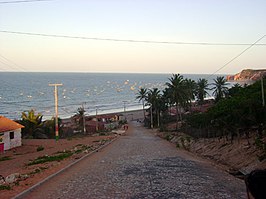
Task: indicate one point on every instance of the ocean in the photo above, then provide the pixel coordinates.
(106, 92)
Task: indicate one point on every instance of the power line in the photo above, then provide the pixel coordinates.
(234, 58)
(22, 1)
(12, 64)
(2, 68)
(129, 40)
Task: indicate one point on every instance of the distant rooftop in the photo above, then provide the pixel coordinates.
(8, 125)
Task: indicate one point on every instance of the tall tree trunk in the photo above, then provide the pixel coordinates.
(180, 114)
(177, 117)
(143, 106)
(158, 118)
(151, 118)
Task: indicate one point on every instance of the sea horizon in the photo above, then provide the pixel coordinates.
(106, 92)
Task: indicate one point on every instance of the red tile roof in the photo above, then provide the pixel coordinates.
(8, 125)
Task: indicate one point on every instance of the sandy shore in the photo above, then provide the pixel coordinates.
(132, 115)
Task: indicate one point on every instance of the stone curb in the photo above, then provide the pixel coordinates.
(27, 191)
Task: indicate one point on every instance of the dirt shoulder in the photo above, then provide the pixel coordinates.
(33, 161)
(238, 157)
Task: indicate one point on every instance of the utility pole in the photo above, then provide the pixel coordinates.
(124, 106)
(83, 117)
(151, 117)
(56, 109)
(125, 109)
(97, 126)
(262, 92)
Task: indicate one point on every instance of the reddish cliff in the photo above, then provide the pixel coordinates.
(247, 74)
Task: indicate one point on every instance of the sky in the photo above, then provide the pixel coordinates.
(189, 21)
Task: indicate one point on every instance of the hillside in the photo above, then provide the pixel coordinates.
(238, 158)
(247, 74)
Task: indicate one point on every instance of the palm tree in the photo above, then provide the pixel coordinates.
(81, 118)
(166, 97)
(201, 90)
(153, 99)
(234, 90)
(31, 121)
(141, 96)
(178, 92)
(190, 88)
(220, 88)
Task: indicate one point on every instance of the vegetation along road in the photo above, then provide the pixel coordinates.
(141, 165)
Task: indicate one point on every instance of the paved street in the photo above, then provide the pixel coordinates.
(141, 165)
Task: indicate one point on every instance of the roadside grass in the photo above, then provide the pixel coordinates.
(5, 158)
(5, 187)
(40, 148)
(47, 158)
(61, 155)
(37, 170)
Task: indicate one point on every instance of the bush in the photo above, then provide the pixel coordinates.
(5, 187)
(122, 122)
(47, 158)
(5, 158)
(40, 148)
(262, 146)
(168, 137)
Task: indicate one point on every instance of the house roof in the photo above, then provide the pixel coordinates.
(107, 116)
(8, 125)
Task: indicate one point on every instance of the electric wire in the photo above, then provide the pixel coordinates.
(7, 65)
(22, 1)
(128, 40)
(12, 64)
(237, 56)
(3, 69)
(143, 41)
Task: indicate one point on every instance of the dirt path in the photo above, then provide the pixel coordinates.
(141, 165)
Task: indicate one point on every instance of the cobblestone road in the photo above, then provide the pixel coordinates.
(141, 165)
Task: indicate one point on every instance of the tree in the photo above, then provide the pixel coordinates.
(220, 88)
(166, 101)
(242, 110)
(49, 127)
(190, 89)
(141, 96)
(153, 99)
(81, 118)
(234, 90)
(201, 90)
(31, 122)
(178, 92)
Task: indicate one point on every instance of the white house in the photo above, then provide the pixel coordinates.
(10, 134)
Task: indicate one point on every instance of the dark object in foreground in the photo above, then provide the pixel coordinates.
(256, 184)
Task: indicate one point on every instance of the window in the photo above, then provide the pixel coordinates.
(11, 135)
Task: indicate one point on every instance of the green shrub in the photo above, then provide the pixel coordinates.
(262, 146)
(5, 187)
(188, 138)
(168, 137)
(5, 158)
(182, 139)
(40, 148)
(262, 157)
(44, 159)
(78, 151)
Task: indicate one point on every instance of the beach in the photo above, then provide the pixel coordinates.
(131, 115)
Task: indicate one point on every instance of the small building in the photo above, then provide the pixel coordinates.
(10, 134)
(93, 126)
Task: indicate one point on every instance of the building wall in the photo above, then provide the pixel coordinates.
(11, 143)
